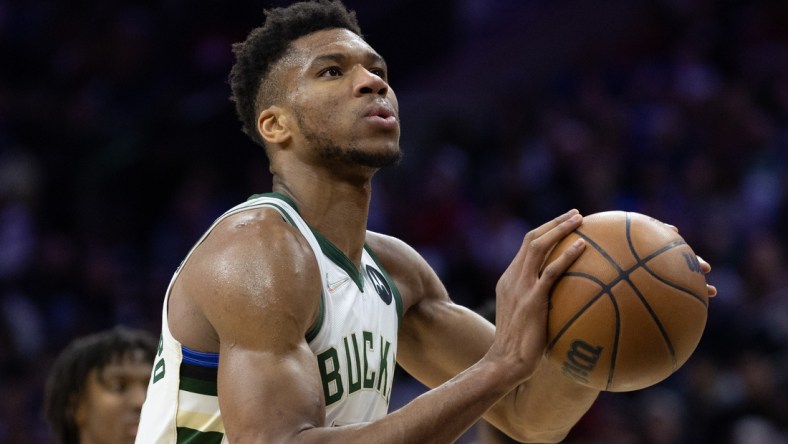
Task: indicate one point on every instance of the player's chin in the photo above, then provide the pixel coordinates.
(391, 153)
(381, 151)
(378, 157)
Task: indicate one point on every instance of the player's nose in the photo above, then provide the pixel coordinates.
(136, 395)
(366, 82)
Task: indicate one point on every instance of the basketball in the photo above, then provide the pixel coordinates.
(631, 309)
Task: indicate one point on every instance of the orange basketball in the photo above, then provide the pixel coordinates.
(631, 310)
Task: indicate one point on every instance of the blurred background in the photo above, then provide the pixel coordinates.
(119, 146)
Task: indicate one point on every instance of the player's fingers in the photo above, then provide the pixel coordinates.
(550, 225)
(546, 227)
(545, 235)
(538, 243)
(705, 267)
(557, 267)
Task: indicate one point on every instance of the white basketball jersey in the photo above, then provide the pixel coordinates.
(354, 341)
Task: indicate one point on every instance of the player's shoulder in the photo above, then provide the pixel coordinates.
(251, 265)
(413, 275)
(256, 227)
(391, 250)
(254, 244)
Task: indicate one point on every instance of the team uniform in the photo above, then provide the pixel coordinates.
(354, 341)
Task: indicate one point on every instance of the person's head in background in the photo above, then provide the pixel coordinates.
(96, 387)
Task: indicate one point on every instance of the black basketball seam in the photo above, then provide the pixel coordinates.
(600, 250)
(606, 289)
(677, 287)
(653, 315)
(664, 249)
(614, 353)
(580, 312)
(642, 263)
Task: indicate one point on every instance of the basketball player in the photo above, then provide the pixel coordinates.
(96, 387)
(285, 321)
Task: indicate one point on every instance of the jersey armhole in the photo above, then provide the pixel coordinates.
(311, 334)
(315, 328)
(395, 290)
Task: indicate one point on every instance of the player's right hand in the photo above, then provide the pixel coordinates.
(522, 294)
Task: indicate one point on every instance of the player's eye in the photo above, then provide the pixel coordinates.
(116, 385)
(380, 72)
(331, 72)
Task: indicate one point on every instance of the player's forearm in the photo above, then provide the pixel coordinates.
(441, 415)
(544, 408)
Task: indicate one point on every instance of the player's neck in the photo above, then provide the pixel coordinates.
(336, 209)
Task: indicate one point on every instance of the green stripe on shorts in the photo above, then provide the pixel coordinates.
(191, 436)
(198, 386)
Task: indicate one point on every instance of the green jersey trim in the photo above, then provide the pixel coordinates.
(339, 258)
(329, 249)
(315, 328)
(395, 290)
(275, 195)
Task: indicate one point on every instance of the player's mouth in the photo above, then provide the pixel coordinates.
(381, 116)
(131, 425)
(131, 429)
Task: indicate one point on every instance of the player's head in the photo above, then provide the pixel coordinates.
(96, 386)
(253, 86)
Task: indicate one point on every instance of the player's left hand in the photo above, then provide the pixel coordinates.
(705, 267)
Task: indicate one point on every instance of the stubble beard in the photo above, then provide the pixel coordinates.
(352, 154)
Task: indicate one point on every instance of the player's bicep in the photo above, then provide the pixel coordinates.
(442, 340)
(269, 385)
(268, 396)
(261, 294)
(438, 338)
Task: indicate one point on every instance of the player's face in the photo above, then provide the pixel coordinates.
(109, 410)
(341, 100)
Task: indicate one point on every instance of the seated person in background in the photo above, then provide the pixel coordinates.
(96, 387)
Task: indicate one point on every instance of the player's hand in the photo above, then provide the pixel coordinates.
(522, 294)
(705, 268)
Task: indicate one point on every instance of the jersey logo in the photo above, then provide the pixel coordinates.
(336, 285)
(380, 284)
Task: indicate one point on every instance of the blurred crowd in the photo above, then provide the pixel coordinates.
(119, 146)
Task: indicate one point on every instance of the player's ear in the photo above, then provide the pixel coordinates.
(273, 125)
(77, 411)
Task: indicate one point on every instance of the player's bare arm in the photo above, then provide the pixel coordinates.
(250, 291)
(440, 339)
(260, 304)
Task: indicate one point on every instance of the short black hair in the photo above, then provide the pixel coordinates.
(68, 376)
(266, 45)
